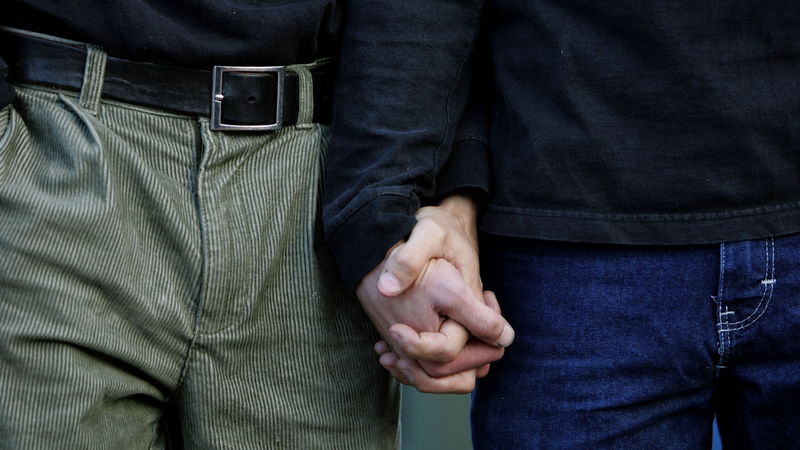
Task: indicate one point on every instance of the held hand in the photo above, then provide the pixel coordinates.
(438, 292)
(423, 347)
(447, 377)
(426, 290)
(409, 372)
(447, 231)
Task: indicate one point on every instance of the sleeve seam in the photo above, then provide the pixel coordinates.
(409, 204)
(448, 104)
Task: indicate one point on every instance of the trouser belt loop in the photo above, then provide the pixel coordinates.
(305, 110)
(93, 77)
(4, 116)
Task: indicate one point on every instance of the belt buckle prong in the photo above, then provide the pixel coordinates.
(217, 97)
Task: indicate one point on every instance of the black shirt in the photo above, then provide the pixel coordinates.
(189, 33)
(664, 123)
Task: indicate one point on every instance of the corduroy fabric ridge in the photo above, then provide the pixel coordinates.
(164, 285)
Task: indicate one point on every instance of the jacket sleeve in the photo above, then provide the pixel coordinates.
(467, 167)
(401, 88)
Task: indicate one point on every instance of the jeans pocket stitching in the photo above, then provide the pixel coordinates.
(768, 283)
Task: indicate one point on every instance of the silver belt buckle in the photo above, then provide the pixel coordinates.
(217, 97)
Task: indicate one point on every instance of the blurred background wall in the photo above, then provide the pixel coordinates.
(434, 422)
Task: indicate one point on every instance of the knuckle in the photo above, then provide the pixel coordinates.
(424, 212)
(433, 353)
(412, 350)
(404, 260)
(432, 228)
(448, 354)
(462, 290)
(488, 326)
(437, 371)
(496, 327)
(490, 329)
(453, 292)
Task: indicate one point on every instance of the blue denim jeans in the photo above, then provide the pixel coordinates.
(636, 347)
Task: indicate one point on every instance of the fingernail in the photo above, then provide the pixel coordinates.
(389, 283)
(507, 338)
(396, 337)
(407, 374)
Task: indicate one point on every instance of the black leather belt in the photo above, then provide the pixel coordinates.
(243, 98)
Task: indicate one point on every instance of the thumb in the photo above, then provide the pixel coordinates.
(406, 261)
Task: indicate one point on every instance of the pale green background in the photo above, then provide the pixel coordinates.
(435, 422)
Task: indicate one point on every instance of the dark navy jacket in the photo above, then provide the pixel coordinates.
(646, 123)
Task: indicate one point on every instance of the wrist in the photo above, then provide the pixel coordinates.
(463, 208)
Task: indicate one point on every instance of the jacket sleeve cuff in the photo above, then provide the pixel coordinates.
(466, 168)
(361, 242)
